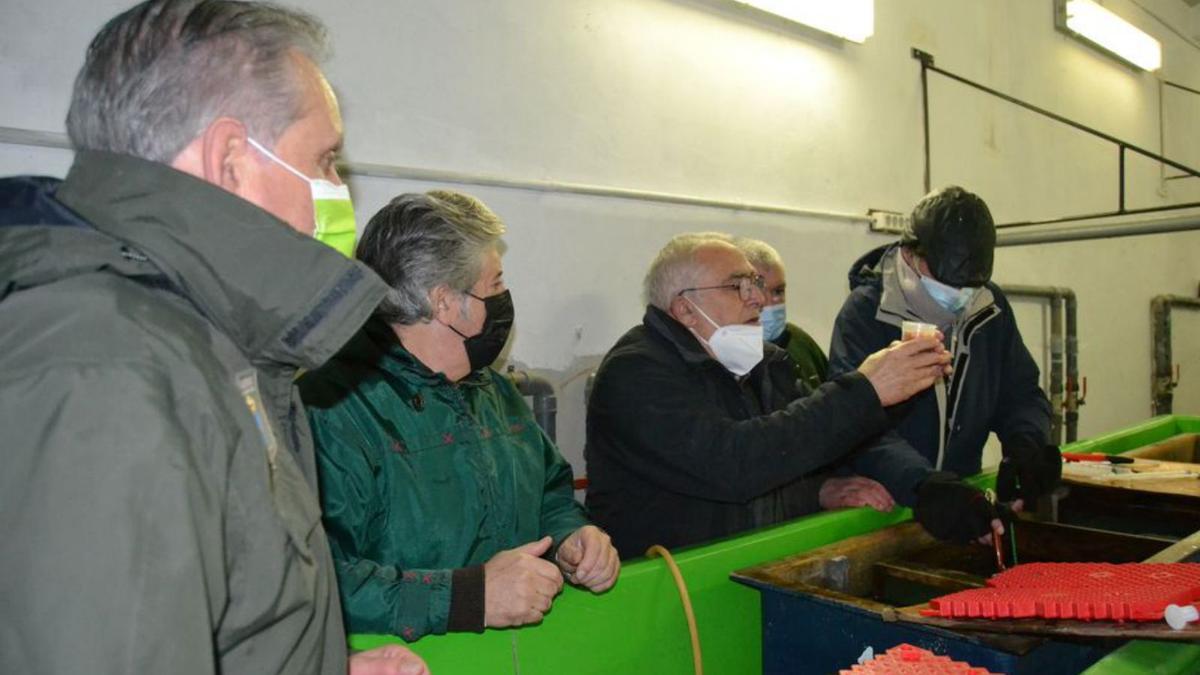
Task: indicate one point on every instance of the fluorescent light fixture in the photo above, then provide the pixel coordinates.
(1096, 25)
(853, 20)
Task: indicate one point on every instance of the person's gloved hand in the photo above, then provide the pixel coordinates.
(1029, 470)
(951, 510)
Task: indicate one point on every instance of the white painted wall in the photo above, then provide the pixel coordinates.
(690, 97)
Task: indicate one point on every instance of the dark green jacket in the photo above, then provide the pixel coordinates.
(424, 480)
(810, 365)
(157, 494)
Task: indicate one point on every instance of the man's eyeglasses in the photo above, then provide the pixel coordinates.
(743, 285)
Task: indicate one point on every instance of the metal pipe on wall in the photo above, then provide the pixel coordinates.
(545, 403)
(1104, 231)
(48, 139)
(1062, 394)
(1056, 370)
(1164, 382)
(1074, 396)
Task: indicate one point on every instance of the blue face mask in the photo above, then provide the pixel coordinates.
(950, 298)
(773, 319)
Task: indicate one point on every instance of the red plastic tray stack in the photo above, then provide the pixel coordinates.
(905, 659)
(1080, 591)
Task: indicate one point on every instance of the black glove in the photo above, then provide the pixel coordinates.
(1029, 470)
(951, 510)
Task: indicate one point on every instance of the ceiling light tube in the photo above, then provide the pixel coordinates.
(852, 20)
(1088, 21)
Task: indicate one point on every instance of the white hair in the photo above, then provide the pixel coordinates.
(675, 268)
(760, 254)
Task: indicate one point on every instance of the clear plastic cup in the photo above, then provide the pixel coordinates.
(910, 330)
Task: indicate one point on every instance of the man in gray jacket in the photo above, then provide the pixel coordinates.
(157, 498)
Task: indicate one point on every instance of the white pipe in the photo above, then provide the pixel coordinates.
(14, 136)
(1108, 230)
(40, 139)
(1007, 237)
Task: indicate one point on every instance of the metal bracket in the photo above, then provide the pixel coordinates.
(1123, 147)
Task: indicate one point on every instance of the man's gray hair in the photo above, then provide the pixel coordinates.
(760, 254)
(156, 75)
(674, 268)
(421, 241)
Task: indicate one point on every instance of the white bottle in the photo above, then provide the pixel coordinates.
(1179, 617)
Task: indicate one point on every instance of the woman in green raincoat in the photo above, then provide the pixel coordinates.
(447, 507)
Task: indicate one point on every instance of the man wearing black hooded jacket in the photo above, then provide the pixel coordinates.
(939, 273)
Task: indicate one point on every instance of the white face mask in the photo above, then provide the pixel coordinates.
(738, 347)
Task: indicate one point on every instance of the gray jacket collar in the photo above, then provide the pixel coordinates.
(280, 296)
(900, 302)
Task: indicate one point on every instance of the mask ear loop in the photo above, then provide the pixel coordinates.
(456, 331)
(702, 313)
(275, 158)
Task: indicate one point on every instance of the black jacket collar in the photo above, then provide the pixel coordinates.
(667, 330)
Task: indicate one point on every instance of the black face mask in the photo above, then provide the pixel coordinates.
(484, 347)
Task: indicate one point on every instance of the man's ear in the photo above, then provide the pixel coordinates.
(219, 155)
(226, 159)
(682, 311)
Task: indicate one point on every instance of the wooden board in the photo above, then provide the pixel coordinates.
(1183, 486)
(1184, 550)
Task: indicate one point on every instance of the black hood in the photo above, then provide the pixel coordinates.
(29, 200)
(952, 229)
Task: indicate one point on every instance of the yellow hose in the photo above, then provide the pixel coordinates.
(656, 551)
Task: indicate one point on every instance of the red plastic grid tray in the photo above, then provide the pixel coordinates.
(905, 659)
(1103, 575)
(1080, 591)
